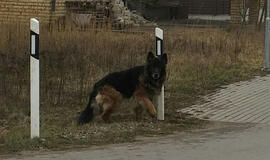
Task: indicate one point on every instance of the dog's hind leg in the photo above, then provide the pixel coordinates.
(108, 109)
(109, 99)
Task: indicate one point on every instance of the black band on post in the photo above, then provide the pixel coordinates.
(34, 40)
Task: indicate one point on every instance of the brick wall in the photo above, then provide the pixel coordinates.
(253, 5)
(253, 11)
(23, 10)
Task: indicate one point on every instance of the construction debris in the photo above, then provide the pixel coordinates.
(85, 12)
(124, 16)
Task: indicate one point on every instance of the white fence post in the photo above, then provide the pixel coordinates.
(159, 98)
(34, 76)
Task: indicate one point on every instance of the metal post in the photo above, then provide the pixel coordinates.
(267, 25)
(34, 76)
(160, 98)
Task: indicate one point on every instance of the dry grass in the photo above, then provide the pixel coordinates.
(200, 60)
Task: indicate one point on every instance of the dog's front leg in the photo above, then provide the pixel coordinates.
(146, 103)
(138, 112)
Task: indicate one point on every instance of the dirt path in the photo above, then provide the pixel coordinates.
(243, 133)
(233, 141)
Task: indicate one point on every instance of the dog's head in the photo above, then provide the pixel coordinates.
(156, 66)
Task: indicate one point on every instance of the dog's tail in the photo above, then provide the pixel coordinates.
(88, 113)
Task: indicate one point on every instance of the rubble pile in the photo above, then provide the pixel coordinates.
(85, 12)
(124, 16)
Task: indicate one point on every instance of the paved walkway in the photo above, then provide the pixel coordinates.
(247, 101)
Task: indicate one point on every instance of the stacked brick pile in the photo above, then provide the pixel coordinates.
(88, 12)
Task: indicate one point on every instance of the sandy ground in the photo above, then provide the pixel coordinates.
(221, 141)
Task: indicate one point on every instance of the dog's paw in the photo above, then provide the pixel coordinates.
(106, 119)
(153, 113)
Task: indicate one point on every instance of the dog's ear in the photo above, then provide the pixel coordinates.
(150, 57)
(164, 58)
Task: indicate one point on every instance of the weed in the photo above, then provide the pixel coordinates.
(71, 61)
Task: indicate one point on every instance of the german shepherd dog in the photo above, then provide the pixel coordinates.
(141, 82)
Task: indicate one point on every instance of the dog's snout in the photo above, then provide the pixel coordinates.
(156, 76)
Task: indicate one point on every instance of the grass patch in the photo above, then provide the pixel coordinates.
(200, 60)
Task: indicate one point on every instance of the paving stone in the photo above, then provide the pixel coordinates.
(242, 102)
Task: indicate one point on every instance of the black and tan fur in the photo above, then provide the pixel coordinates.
(141, 82)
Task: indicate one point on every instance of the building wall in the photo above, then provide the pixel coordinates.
(253, 5)
(209, 7)
(235, 11)
(23, 10)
